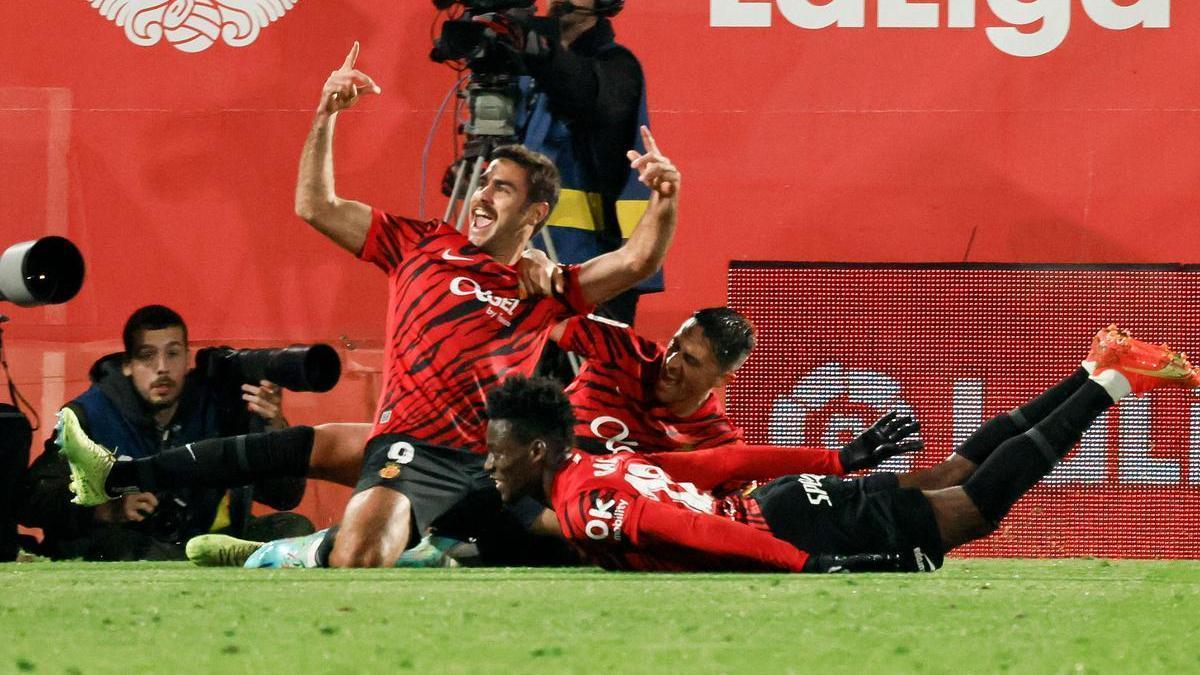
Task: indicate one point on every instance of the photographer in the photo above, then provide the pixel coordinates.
(582, 108)
(141, 401)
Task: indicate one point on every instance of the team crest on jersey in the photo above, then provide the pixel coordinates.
(193, 25)
(389, 471)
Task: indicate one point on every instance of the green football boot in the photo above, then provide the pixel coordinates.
(220, 550)
(90, 462)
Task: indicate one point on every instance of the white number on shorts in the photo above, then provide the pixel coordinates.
(401, 452)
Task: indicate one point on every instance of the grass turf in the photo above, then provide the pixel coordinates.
(973, 616)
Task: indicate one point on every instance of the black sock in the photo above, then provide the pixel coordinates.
(1023, 460)
(217, 462)
(1004, 426)
(326, 546)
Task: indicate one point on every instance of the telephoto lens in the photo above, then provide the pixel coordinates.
(46, 271)
(298, 367)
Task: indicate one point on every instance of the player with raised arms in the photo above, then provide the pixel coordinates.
(457, 322)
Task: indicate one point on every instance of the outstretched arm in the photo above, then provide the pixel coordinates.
(343, 220)
(606, 276)
(706, 469)
(735, 546)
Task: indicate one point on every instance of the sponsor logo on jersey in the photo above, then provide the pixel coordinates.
(466, 286)
(447, 255)
(606, 518)
(617, 441)
(599, 517)
(193, 25)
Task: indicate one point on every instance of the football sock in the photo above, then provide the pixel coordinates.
(1023, 460)
(217, 462)
(1115, 383)
(1004, 426)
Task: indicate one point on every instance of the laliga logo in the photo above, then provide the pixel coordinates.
(848, 401)
(192, 25)
(1047, 21)
(465, 286)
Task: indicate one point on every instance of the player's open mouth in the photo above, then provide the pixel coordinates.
(481, 219)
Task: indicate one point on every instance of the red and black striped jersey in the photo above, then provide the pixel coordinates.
(456, 325)
(613, 395)
(625, 511)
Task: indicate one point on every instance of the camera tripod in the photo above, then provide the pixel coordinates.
(492, 101)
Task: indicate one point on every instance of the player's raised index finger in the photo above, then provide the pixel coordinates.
(351, 58)
(648, 140)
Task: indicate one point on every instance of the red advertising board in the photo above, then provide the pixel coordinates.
(956, 345)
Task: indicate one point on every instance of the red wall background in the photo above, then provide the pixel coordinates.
(173, 171)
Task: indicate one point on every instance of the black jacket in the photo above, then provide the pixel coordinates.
(113, 413)
(596, 86)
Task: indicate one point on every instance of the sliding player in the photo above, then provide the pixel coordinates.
(630, 511)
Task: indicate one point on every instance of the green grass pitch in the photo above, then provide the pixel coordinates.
(973, 616)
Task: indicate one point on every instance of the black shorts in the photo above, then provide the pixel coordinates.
(452, 495)
(434, 478)
(826, 514)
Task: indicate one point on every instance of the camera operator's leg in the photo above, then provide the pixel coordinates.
(967, 457)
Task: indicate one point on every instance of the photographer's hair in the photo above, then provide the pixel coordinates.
(536, 407)
(730, 334)
(150, 317)
(542, 175)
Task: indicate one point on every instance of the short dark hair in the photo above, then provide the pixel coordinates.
(150, 317)
(730, 334)
(544, 182)
(536, 407)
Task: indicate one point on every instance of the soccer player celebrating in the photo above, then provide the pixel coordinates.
(651, 512)
(633, 395)
(457, 322)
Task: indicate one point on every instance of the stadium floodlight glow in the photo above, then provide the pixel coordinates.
(45, 271)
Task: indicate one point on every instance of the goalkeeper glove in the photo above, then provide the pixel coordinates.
(888, 437)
